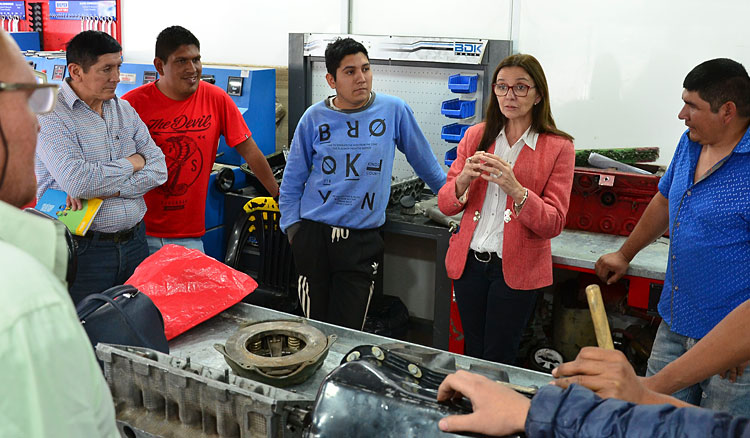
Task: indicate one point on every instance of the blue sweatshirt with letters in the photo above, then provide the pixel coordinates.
(339, 167)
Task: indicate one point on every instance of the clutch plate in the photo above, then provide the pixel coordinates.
(280, 353)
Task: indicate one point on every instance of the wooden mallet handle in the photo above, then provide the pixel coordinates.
(599, 316)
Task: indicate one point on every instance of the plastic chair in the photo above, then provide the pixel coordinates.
(257, 247)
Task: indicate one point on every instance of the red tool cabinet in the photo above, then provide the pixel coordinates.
(609, 201)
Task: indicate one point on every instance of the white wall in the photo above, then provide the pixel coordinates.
(230, 31)
(488, 19)
(616, 68)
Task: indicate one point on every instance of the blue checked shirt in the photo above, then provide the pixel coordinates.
(708, 272)
(85, 155)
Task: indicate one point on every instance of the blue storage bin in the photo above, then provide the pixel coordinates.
(458, 109)
(454, 132)
(463, 83)
(450, 156)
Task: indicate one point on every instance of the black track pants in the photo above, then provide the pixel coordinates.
(337, 268)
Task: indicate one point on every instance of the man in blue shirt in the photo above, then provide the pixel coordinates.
(94, 145)
(704, 199)
(337, 184)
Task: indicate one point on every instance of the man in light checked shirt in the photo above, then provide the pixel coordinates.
(94, 145)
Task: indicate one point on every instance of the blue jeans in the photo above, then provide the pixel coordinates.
(493, 315)
(106, 263)
(155, 243)
(713, 393)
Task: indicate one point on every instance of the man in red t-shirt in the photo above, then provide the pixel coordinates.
(185, 117)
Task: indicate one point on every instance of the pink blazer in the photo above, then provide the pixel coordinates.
(548, 174)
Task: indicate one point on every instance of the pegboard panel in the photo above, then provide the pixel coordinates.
(424, 89)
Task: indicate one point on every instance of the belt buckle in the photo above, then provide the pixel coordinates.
(489, 257)
(124, 236)
(121, 237)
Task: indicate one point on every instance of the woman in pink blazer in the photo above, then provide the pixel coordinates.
(512, 179)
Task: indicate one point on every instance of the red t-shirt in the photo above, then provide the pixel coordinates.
(187, 131)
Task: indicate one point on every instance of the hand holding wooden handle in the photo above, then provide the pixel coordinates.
(599, 316)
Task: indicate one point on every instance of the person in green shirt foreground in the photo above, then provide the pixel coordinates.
(51, 382)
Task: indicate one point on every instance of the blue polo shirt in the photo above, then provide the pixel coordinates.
(708, 272)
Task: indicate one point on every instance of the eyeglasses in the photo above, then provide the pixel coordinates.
(519, 90)
(43, 96)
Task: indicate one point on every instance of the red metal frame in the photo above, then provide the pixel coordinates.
(456, 337)
(638, 289)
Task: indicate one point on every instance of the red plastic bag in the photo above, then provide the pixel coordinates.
(188, 286)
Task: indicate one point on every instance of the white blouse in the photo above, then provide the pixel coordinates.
(488, 235)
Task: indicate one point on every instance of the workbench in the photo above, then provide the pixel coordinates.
(198, 345)
(579, 250)
(421, 227)
(571, 250)
(193, 393)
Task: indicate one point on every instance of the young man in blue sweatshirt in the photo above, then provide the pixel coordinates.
(337, 184)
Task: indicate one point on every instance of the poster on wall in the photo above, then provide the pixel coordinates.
(75, 10)
(12, 9)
